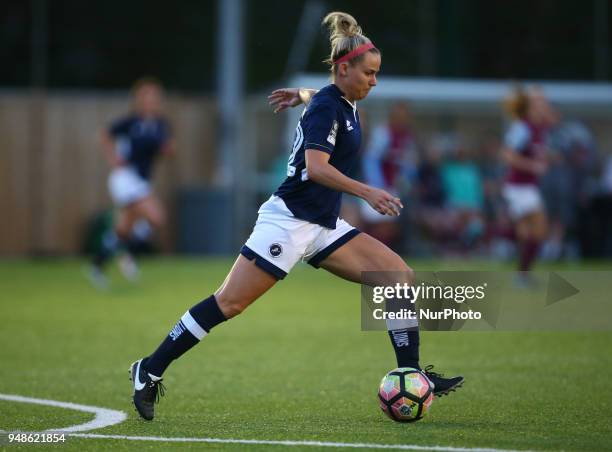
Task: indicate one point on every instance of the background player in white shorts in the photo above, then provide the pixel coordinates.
(300, 221)
(525, 153)
(131, 145)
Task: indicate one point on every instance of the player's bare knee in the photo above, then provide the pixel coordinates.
(397, 265)
(157, 218)
(404, 275)
(393, 271)
(230, 306)
(409, 275)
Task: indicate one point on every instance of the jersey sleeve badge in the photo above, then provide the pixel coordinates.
(331, 138)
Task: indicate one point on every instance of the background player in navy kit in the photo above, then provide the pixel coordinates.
(524, 150)
(131, 145)
(300, 221)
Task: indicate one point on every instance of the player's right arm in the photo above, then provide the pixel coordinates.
(108, 147)
(114, 143)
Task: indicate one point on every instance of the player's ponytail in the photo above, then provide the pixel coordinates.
(348, 43)
(517, 103)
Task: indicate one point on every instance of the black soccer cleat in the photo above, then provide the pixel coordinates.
(442, 386)
(146, 390)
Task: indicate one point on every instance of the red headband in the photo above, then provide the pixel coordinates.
(363, 48)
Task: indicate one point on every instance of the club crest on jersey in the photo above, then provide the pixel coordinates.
(275, 250)
(331, 138)
(349, 126)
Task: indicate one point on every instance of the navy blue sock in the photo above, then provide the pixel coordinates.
(188, 331)
(406, 346)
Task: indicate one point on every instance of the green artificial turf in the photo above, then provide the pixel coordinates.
(294, 366)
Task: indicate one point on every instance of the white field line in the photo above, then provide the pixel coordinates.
(290, 443)
(105, 417)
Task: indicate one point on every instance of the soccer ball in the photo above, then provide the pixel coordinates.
(405, 394)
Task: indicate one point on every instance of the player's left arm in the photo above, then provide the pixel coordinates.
(168, 146)
(322, 172)
(283, 98)
(320, 125)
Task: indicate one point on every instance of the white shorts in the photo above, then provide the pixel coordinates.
(522, 199)
(126, 186)
(279, 239)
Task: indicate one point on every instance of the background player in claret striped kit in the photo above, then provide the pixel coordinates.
(300, 221)
(524, 150)
(389, 162)
(131, 145)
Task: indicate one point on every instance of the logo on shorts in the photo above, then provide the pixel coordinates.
(275, 250)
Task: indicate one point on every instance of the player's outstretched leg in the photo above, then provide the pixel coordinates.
(366, 254)
(245, 283)
(406, 343)
(146, 373)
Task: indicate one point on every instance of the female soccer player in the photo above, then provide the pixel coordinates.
(524, 150)
(131, 145)
(300, 221)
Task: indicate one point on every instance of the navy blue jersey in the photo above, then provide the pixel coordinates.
(330, 124)
(139, 141)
